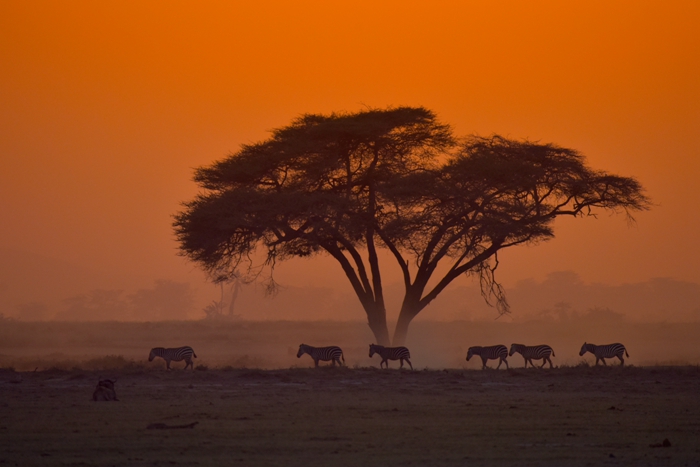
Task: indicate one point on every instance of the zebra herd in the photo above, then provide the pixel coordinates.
(543, 352)
(529, 353)
(334, 354)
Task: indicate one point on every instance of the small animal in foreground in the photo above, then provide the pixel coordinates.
(176, 355)
(602, 352)
(534, 352)
(390, 353)
(332, 353)
(105, 391)
(489, 353)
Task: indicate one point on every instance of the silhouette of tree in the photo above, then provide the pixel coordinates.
(223, 309)
(96, 305)
(347, 184)
(32, 311)
(167, 300)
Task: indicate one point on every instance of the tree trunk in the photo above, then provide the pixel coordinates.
(408, 312)
(376, 318)
(401, 331)
(235, 289)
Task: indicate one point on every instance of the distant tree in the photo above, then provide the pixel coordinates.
(347, 184)
(604, 316)
(223, 309)
(96, 305)
(167, 300)
(32, 311)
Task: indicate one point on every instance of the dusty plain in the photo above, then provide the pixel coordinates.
(571, 416)
(256, 404)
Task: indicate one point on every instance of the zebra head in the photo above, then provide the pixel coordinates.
(153, 354)
(584, 348)
(373, 348)
(515, 348)
(303, 348)
(470, 353)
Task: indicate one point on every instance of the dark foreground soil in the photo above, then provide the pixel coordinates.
(355, 417)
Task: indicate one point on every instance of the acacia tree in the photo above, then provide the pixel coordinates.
(349, 184)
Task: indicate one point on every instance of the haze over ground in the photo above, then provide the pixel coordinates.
(105, 109)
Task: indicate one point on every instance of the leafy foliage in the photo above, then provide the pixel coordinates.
(347, 184)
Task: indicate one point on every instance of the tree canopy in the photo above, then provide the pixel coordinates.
(348, 184)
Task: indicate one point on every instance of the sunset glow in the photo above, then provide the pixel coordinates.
(106, 108)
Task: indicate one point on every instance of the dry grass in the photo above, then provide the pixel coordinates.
(252, 409)
(345, 416)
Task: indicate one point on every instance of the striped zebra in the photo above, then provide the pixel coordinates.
(176, 355)
(534, 352)
(489, 353)
(390, 353)
(332, 353)
(602, 352)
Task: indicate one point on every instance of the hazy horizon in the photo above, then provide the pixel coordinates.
(35, 288)
(106, 110)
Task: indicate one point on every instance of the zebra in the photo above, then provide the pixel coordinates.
(177, 355)
(534, 352)
(332, 353)
(390, 353)
(489, 353)
(602, 352)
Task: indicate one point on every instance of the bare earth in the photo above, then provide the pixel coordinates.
(354, 416)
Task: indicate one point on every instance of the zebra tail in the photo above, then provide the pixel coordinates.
(342, 356)
(553, 353)
(194, 354)
(628, 355)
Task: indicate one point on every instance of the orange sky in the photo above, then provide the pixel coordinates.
(105, 108)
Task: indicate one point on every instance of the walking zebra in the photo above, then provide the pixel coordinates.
(602, 352)
(176, 355)
(489, 353)
(534, 352)
(390, 353)
(332, 353)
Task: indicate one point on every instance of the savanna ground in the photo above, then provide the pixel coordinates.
(354, 416)
(280, 416)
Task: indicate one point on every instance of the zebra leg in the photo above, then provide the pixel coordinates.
(483, 363)
(506, 362)
(315, 362)
(167, 364)
(602, 359)
(499, 363)
(409, 363)
(622, 360)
